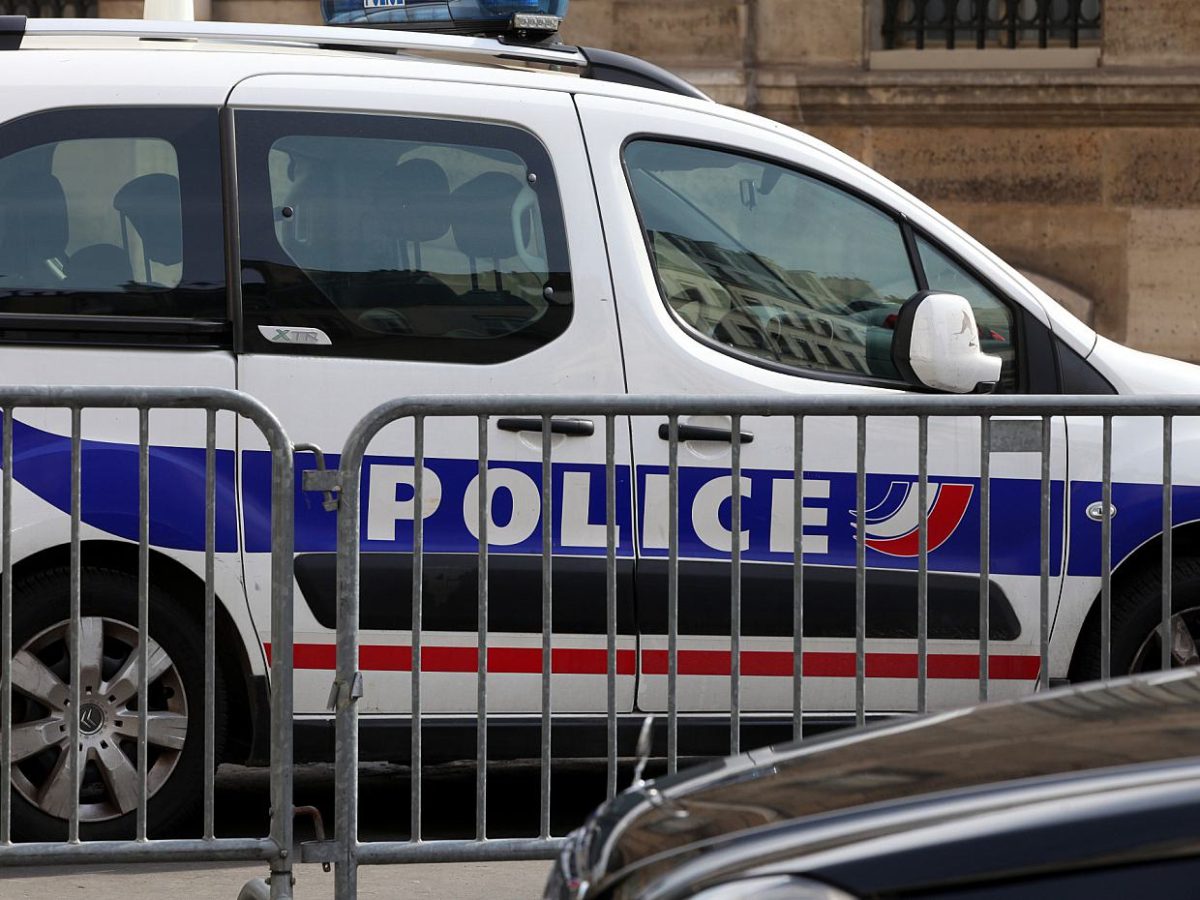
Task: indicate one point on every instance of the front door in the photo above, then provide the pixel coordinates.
(754, 264)
(441, 239)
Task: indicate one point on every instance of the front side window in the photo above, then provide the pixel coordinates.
(398, 238)
(112, 213)
(770, 263)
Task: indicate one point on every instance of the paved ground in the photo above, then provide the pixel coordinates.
(449, 804)
(466, 881)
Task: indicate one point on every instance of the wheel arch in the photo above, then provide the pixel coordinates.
(1146, 557)
(247, 696)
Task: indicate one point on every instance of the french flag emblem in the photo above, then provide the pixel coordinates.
(892, 524)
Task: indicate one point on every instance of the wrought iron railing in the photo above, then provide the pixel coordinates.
(50, 9)
(922, 24)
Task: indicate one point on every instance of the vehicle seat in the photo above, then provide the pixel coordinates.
(33, 231)
(151, 204)
(99, 267)
(482, 222)
(415, 197)
(415, 202)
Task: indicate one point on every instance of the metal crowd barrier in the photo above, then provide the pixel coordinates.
(275, 848)
(347, 852)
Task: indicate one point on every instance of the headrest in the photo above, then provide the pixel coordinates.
(100, 267)
(482, 215)
(151, 203)
(34, 212)
(415, 200)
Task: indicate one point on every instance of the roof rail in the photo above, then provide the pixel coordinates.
(12, 29)
(307, 35)
(608, 65)
(602, 65)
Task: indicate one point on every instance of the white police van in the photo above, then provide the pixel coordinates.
(330, 218)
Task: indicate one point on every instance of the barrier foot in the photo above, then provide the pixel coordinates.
(255, 889)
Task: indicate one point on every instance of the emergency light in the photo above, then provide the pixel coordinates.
(525, 19)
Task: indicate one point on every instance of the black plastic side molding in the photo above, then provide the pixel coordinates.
(12, 31)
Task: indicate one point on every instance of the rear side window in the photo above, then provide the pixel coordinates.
(398, 238)
(112, 212)
(770, 263)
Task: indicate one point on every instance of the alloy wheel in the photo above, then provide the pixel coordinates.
(1185, 631)
(111, 691)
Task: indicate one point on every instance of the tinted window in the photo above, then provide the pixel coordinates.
(399, 238)
(112, 212)
(769, 262)
(996, 333)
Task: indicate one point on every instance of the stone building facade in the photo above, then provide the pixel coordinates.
(1079, 164)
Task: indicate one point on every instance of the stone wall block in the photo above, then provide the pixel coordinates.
(589, 23)
(708, 31)
(1153, 167)
(850, 140)
(826, 33)
(1164, 279)
(1081, 246)
(992, 165)
(1151, 32)
(294, 12)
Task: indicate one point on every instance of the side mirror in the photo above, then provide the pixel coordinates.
(936, 345)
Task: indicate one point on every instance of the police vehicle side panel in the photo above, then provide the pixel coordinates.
(66, 103)
(662, 356)
(1137, 518)
(393, 127)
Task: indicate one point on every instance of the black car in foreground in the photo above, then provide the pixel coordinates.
(1086, 792)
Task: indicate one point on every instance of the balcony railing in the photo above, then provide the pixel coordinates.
(49, 9)
(922, 24)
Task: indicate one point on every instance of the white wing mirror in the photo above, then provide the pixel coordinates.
(936, 345)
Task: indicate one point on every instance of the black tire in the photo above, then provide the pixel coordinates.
(41, 610)
(1136, 617)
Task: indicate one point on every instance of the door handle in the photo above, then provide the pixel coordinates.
(704, 433)
(569, 427)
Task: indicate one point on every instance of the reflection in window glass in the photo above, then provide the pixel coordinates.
(409, 240)
(996, 333)
(91, 215)
(770, 262)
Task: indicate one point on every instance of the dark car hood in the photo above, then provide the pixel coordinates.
(1127, 722)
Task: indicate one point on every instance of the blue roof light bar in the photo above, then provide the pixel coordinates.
(522, 18)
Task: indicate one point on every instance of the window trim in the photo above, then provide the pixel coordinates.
(908, 233)
(147, 332)
(761, 362)
(469, 134)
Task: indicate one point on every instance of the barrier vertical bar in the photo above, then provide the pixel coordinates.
(610, 567)
(922, 563)
(1106, 553)
(735, 593)
(416, 766)
(143, 602)
(76, 621)
(1167, 544)
(283, 545)
(6, 454)
(673, 594)
(210, 623)
(798, 578)
(481, 745)
(547, 618)
(345, 709)
(860, 574)
(1044, 606)
(985, 553)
